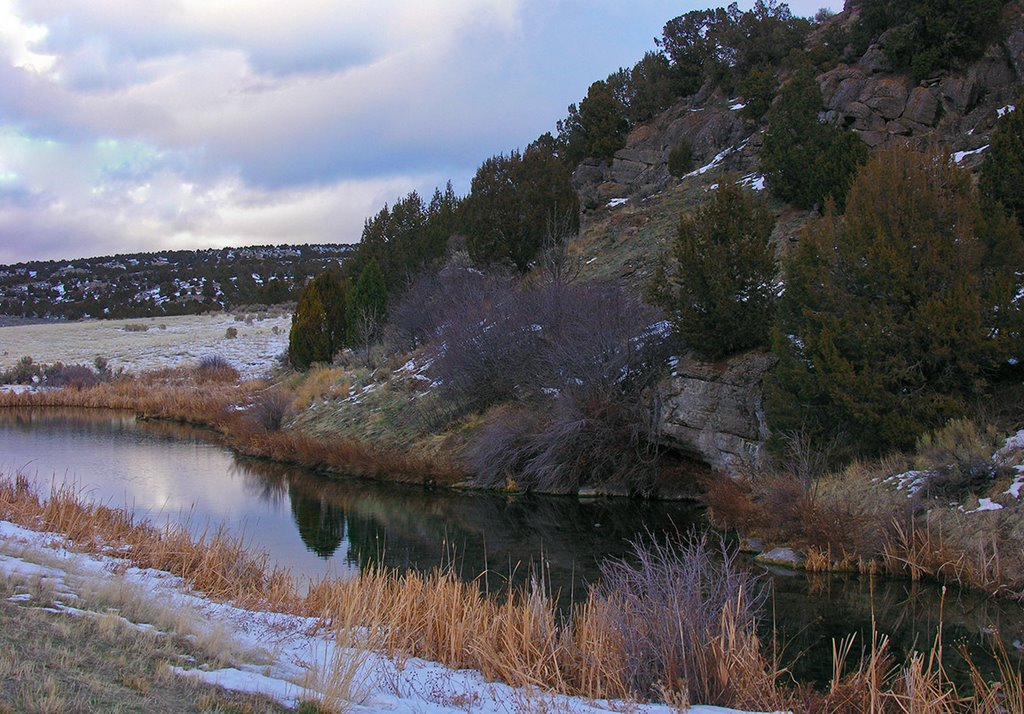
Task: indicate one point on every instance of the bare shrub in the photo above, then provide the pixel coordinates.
(582, 358)
(135, 327)
(433, 301)
(673, 601)
(75, 376)
(231, 333)
(215, 368)
(270, 409)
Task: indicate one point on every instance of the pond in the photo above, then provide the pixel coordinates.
(318, 524)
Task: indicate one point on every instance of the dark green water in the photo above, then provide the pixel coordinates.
(317, 524)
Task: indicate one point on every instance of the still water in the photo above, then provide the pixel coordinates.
(319, 525)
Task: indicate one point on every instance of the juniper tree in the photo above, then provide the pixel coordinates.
(1002, 173)
(721, 296)
(804, 160)
(896, 314)
(319, 323)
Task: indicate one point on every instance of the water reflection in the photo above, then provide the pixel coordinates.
(507, 537)
(315, 524)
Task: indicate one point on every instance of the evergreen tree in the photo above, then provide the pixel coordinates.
(758, 90)
(722, 294)
(512, 201)
(895, 315)
(1002, 173)
(366, 308)
(319, 323)
(805, 161)
(928, 35)
(597, 129)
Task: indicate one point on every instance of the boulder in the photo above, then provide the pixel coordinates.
(715, 410)
(887, 97)
(875, 61)
(786, 557)
(921, 107)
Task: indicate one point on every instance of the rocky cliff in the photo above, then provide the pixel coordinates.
(631, 204)
(715, 411)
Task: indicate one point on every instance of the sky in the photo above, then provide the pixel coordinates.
(148, 125)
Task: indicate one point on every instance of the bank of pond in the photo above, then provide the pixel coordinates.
(316, 524)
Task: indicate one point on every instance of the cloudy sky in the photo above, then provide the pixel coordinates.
(138, 125)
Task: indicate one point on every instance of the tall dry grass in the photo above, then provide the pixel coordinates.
(519, 638)
(211, 398)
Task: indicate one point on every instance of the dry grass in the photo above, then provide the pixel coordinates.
(854, 520)
(209, 397)
(54, 662)
(517, 639)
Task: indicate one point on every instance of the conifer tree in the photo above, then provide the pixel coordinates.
(722, 294)
(1002, 173)
(319, 324)
(366, 307)
(895, 315)
(805, 161)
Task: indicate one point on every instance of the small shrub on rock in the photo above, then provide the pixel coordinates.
(680, 159)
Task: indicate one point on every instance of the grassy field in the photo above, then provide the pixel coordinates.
(151, 343)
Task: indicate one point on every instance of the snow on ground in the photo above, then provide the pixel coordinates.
(1005, 110)
(282, 650)
(182, 340)
(984, 504)
(753, 181)
(910, 481)
(959, 156)
(617, 202)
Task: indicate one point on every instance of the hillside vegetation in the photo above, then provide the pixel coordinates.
(757, 181)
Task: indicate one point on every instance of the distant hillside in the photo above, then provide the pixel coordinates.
(164, 283)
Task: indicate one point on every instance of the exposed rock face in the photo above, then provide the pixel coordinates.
(864, 95)
(715, 411)
(641, 167)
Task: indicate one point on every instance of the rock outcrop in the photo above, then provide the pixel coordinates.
(641, 167)
(865, 95)
(714, 411)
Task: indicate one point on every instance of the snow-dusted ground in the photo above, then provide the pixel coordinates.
(182, 340)
(282, 650)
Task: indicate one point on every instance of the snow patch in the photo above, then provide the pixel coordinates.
(1005, 110)
(753, 181)
(617, 202)
(959, 156)
(910, 481)
(985, 504)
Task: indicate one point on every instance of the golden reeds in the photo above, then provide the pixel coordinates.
(516, 639)
(187, 396)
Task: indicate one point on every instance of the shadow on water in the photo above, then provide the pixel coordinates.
(349, 524)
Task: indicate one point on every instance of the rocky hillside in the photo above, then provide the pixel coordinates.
(631, 203)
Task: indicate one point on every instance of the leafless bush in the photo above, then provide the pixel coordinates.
(805, 457)
(673, 601)
(75, 376)
(270, 409)
(136, 327)
(582, 358)
(215, 368)
(434, 300)
(231, 333)
(558, 265)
